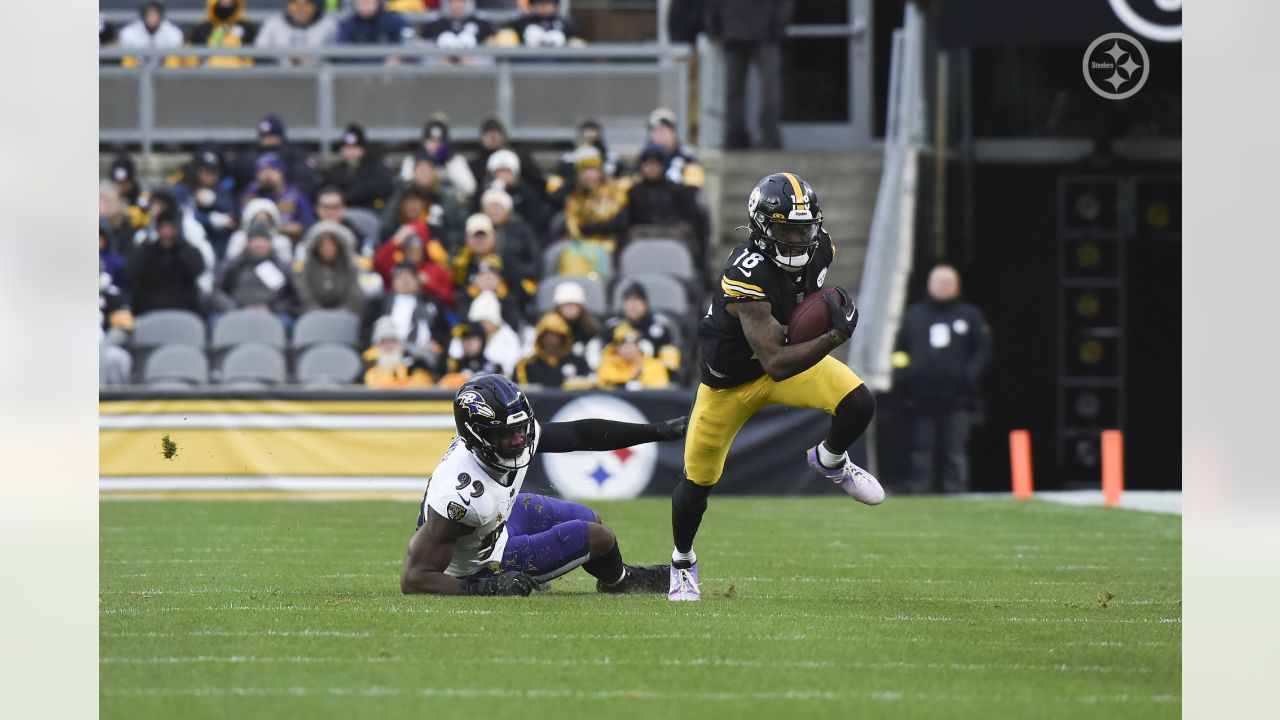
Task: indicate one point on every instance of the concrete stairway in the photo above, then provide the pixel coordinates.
(846, 184)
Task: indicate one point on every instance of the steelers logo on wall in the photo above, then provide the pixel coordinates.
(609, 475)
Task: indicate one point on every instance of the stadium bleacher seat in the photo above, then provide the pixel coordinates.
(366, 222)
(670, 257)
(162, 327)
(665, 293)
(176, 363)
(551, 258)
(328, 364)
(248, 326)
(253, 363)
(326, 326)
(592, 288)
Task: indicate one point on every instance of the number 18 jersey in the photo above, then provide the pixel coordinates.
(727, 358)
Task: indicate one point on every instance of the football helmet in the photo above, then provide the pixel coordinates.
(495, 421)
(785, 220)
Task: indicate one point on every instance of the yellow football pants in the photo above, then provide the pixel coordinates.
(718, 414)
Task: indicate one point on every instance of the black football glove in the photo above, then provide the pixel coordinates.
(507, 583)
(844, 314)
(672, 429)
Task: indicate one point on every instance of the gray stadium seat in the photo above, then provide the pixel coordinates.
(328, 364)
(551, 258)
(367, 223)
(656, 256)
(591, 288)
(253, 363)
(176, 362)
(326, 326)
(248, 326)
(162, 327)
(665, 293)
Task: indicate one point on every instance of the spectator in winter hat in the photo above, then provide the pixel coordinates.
(414, 241)
(561, 182)
(331, 207)
(470, 337)
(421, 321)
(502, 345)
(435, 144)
(458, 27)
(446, 215)
(504, 173)
(493, 137)
(360, 173)
(191, 230)
(517, 242)
(553, 363)
(205, 192)
(151, 31)
(570, 300)
(224, 27)
(371, 23)
(272, 183)
(260, 211)
(330, 278)
(542, 26)
(681, 163)
(272, 139)
(597, 208)
(623, 364)
(165, 270)
(303, 24)
(657, 338)
(257, 280)
(390, 367)
(665, 208)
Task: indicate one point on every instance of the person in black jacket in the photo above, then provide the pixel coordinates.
(299, 168)
(656, 201)
(752, 32)
(361, 174)
(164, 270)
(943, 347)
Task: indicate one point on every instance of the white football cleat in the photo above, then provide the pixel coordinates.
(858, 483)
(684, 584)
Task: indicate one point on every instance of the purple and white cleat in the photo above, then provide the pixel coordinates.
(860, 484)
(684, 584)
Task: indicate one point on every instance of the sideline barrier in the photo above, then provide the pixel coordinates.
(363, 440)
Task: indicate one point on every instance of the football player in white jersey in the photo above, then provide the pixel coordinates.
(479, 535)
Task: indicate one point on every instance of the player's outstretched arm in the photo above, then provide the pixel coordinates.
(607, 434)
(430, 552)
(769, 341)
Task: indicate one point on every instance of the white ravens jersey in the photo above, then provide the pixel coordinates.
(462, 490)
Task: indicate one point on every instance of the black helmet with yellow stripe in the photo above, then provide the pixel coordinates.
(785, 220)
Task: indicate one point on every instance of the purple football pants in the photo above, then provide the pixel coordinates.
(546, 537)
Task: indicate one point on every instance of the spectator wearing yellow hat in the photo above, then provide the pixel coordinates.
(623, 363)
(595, 216)
(553, 363)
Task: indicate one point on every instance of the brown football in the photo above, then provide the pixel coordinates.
(811, 317)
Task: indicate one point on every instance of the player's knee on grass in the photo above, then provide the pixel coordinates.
(600, 539)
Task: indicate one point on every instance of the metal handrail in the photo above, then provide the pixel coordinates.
(599, 51)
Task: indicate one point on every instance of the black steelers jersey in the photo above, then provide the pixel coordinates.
(727, 358)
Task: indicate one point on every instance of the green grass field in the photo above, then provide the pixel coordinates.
(920, 608)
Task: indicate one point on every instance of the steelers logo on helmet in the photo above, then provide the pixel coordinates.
(785, 220)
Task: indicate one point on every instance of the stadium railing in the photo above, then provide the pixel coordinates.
(540, 94)
(882, 293)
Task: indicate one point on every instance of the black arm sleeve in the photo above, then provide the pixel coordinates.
(594, 435)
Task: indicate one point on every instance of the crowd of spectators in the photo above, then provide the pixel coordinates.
(440, 254)
(292, 24)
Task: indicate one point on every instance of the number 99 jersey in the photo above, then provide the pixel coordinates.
(461, 490)
(748, 276)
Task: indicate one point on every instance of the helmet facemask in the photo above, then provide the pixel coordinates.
(793, 243)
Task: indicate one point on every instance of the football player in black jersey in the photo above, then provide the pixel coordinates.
(747, 362)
